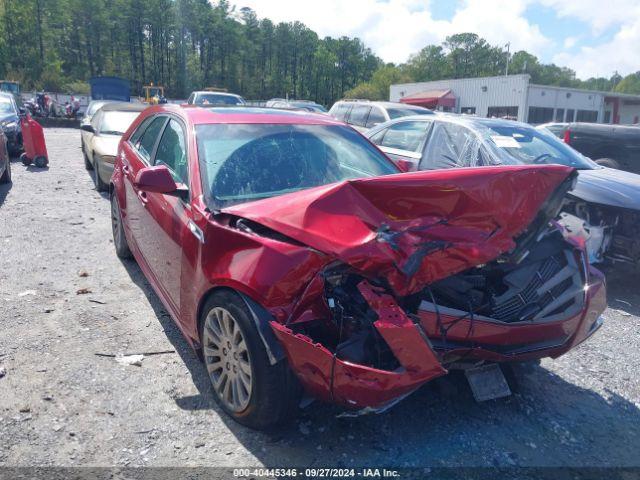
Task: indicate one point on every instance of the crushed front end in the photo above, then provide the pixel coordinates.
(436, 271)
(366, 347)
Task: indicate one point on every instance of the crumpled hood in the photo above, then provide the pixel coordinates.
(415, 228)
(608, 186)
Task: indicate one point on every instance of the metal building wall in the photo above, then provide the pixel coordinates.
(481, 93)
(566, 98)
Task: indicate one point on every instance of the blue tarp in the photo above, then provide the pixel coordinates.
(110, 88)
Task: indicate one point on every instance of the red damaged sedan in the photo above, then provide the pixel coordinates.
(290, 252)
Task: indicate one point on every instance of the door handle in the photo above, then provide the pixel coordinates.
(143, 198)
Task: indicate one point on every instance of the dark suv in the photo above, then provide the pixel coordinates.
(10, 122)
(614, 146)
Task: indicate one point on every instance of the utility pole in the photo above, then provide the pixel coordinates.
(506, 70)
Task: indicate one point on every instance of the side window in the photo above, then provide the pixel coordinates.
(406, 135)
(172, 151)
(359, 115)
(451, 145)
(377, 138)
(340, 111)
(135, 136)
(375, 117)
(191, 98)
(147, 140)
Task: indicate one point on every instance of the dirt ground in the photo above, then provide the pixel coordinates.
(61, 404)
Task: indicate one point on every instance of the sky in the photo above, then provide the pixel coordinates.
(593, 37)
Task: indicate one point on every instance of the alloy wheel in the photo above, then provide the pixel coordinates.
(115, 221)
(227, 359)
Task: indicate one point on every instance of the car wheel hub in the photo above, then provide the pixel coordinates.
(227, 359)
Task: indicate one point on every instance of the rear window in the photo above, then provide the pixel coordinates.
(359, 114)
(217, 99)
(340, 111)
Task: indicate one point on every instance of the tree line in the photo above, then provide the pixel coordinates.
(186, 45)
(183, 45)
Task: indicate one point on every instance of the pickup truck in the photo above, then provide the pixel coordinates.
(614, 146)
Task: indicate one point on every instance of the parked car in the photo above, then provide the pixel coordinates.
(100, 146)
(363, 114)
(5, 160)
(215, 98)
(614, 146)
(303, 105)
(604, 208)
(92, 108)
(10, 123)
(289, 251)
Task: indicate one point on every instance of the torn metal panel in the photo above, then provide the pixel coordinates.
(413, 229)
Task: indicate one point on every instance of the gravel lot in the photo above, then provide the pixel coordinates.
(60, 404)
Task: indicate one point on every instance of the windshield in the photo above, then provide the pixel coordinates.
(397, 112)
(6, 106)
(245, 162)
(519, 144)
(217, 99)
(116, 123)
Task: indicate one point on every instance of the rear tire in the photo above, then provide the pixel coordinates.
(608, 162)
(6, 176)
(87, 163)
(100, 185)
(246, 386)
(117, 229)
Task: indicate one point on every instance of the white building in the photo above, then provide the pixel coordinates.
(514, 96)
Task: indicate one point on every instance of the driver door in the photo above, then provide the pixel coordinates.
(166, 216)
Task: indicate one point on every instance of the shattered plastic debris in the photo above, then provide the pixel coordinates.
(83, 291)
(27, 292)
(130, 360)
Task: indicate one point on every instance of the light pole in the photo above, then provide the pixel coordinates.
(506, 70)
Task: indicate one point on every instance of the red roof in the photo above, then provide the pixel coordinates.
(431, 98)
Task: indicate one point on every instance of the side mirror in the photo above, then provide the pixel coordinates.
(155, 179)
(87, 127)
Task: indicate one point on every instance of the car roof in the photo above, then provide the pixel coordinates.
(468, 120)
(208, 115)
(123, 107)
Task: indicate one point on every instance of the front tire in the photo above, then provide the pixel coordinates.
(117, 229)
(245, 385)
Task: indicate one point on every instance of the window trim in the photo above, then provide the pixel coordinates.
(185, 135)
(152, 154)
